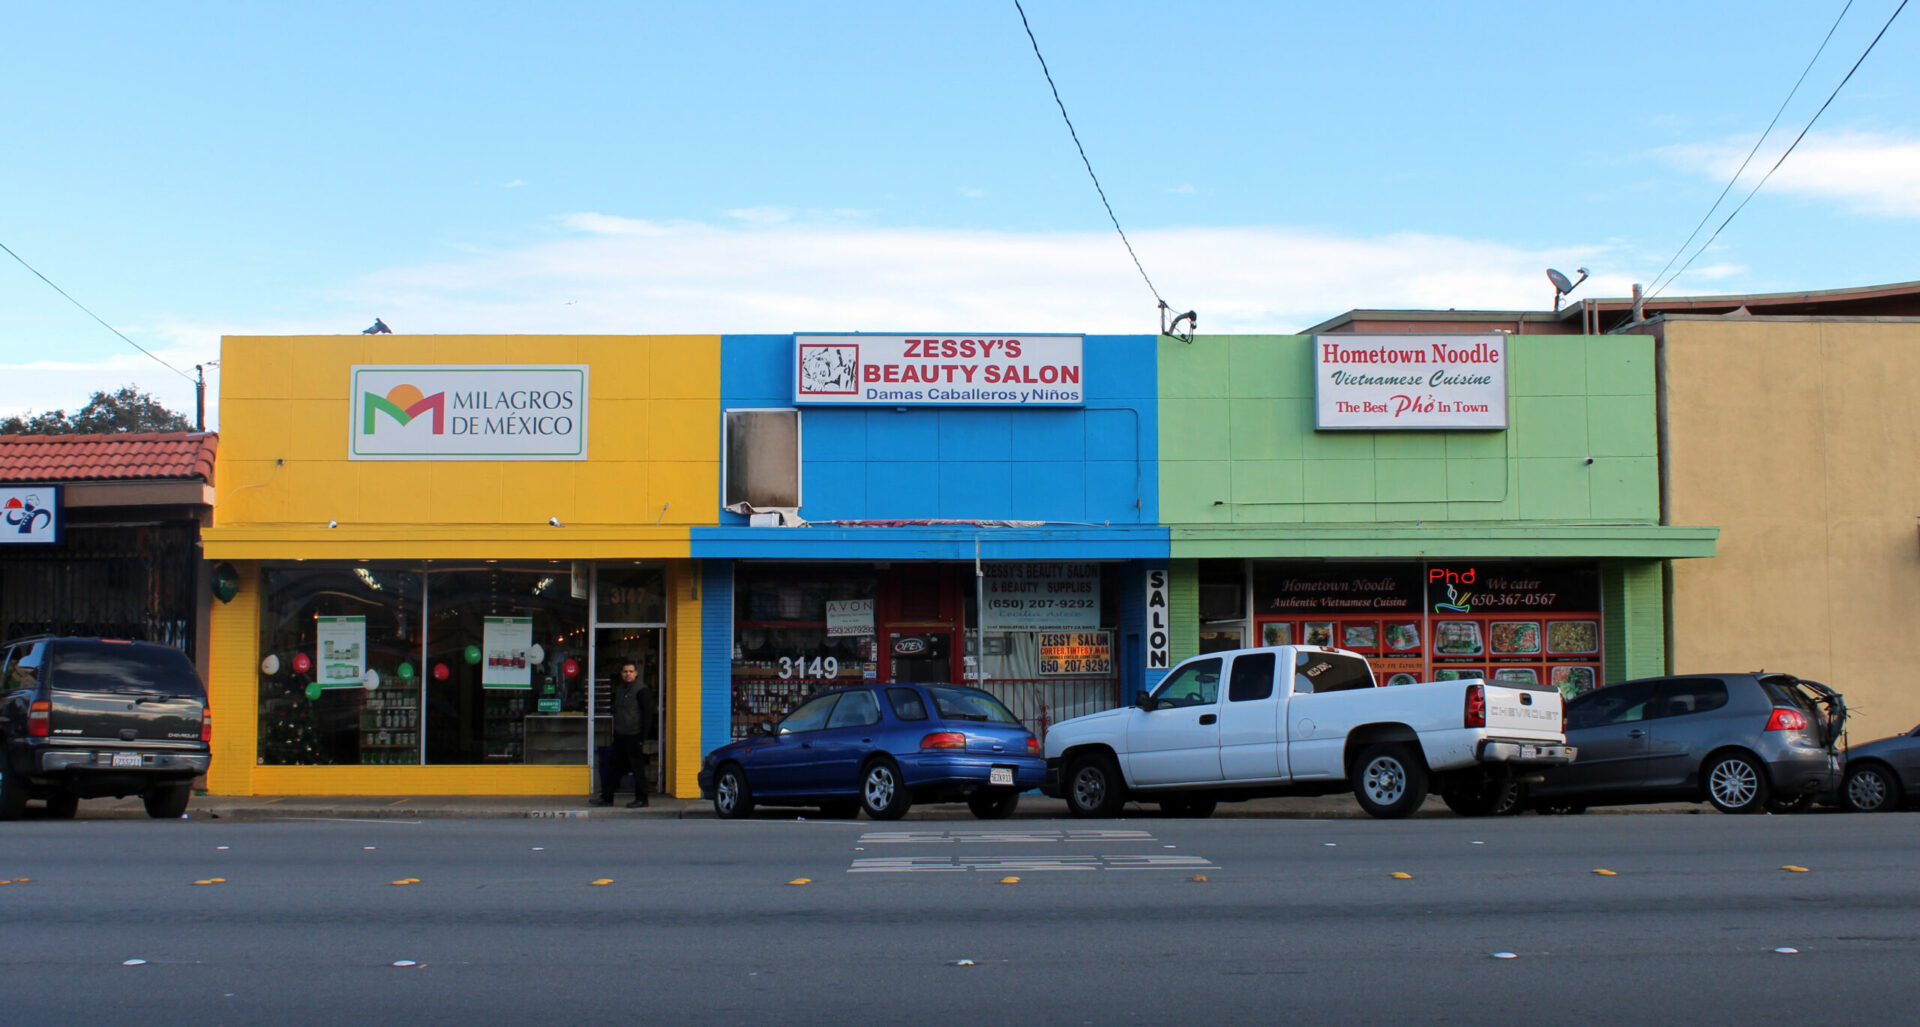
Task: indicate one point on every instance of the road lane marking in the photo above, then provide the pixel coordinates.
(1001, 837)
(1024, 864)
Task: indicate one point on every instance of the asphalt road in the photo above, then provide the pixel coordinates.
(1106, 923)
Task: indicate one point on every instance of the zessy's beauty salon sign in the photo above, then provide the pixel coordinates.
(468, 412)
(1387, 382)
(938, 370)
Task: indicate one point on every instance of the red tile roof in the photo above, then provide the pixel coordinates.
(107, 457)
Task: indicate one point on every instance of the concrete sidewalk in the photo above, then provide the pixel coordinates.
(390, 807)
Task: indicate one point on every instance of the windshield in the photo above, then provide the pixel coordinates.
(969, 704)
(123, 667)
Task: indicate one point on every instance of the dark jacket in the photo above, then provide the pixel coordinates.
(633, 708)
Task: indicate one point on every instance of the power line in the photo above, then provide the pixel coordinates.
(1756, 146)
(1083, 153)
(1790, 148)
(91, 314)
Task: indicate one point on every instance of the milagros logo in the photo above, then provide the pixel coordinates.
(477, 412)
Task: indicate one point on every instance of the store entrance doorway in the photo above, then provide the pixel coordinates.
(920, 657)
(614, 647)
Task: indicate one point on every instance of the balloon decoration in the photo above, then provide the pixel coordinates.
(405, 671)
(271, 665)
(371, 679)
(313, 689)
(570, 667)
(302, 663)
(440, 672)
(472, 654)
(538, 653)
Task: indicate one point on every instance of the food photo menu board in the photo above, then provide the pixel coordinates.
(1536, 625)
(1520, 624)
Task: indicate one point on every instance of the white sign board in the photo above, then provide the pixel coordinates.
(1157, 620)
(343, 652)
(849, 618)
(1041, 597)
(916, 370)
(1395, 382)
(506, 652)
(30, 515)
(467, 412)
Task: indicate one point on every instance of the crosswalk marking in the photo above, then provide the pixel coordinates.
(1023, 864)
(1000, 837)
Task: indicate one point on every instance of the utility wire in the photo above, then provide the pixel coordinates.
(1756, 147)
(1790, 148)
(91, 314)
(1083, 153)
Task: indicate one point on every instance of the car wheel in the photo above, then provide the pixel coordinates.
(732, 799)
(167, 802)
(63, 807)
(1191, 808)
(882, 794)
(1870, 788)
(1094, 787)
(13, 791)
(993, 803)
(1389, 781)
(1786, 804)
(848, 809)
(1736, 783)
(1485, 799)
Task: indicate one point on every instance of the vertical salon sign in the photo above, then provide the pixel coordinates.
(1157, 628)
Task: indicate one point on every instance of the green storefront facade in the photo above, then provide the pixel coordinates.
(1533, 551)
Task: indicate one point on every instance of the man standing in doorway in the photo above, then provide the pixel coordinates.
(632, 721)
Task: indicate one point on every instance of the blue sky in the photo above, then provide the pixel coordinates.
(197, 169)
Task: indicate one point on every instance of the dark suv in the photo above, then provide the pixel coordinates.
(83, 718)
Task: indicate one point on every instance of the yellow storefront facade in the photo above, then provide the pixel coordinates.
(439, 548)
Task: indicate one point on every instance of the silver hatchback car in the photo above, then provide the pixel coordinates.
(1743, 742)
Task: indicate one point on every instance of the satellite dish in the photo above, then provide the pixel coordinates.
(1560, 283)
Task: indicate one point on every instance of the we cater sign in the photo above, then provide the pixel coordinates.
(1385, 382)
(468, 412)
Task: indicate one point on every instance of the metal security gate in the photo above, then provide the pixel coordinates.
(115, 581)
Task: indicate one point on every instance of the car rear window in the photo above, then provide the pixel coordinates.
(969, 704)
(110, 667)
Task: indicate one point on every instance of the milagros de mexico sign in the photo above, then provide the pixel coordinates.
(1386, 382)
(468, 412)
(938, 370)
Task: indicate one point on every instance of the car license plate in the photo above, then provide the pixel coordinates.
(126, 759)
(1000, 776)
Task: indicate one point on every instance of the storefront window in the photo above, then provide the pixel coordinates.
(1511, 621)
(349, 653)
(339, 668)
(799, 628)
(501, 641)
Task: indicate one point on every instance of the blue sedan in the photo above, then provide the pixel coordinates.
(880, 748)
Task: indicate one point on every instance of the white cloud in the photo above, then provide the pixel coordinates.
(761, 215)
(515, 184)
(605, 274)
(972, 192)
(1182, 188)
(1872, 173)
(637, 276)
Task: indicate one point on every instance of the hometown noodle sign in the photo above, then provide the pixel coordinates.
(939, 370)
(468, 412)
(1389, 382)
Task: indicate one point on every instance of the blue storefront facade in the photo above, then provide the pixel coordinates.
(873, 560)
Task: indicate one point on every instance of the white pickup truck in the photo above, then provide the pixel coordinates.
(1304, 720)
